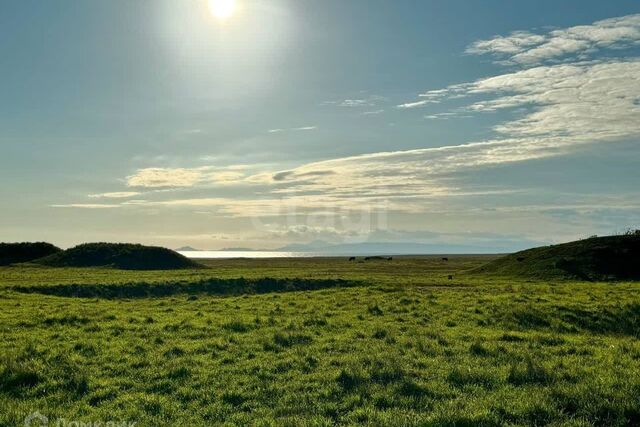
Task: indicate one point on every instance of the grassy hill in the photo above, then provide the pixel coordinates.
(597, 258)
(119, 255)
(12, 253)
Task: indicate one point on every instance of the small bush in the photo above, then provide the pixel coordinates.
(511, 338)
(291, 339)
(316, 321)
(174, 352)
(386, 371)
(380, 334)
(375, 310)
(478, 349)
(66, 320)
(179, 373)
(529, 372)
(350, 379)
(237, 326)
(410, 388)
(530, 318)
(233, 398)
(16, 376)
(461, 377)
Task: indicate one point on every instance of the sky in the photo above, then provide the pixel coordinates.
(495, 124)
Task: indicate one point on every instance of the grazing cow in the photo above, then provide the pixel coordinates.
(352, 258)
(520, 259)
(445, 259)
(450, 277)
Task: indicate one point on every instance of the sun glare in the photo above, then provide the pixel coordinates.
(222, 9)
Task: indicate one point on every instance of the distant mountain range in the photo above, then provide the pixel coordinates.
(388, 248)
(393, 248)
(187, 249)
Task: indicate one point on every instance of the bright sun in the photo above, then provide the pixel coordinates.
(222, 8)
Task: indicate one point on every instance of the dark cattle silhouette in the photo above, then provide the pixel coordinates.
(520, 259)
(445, 259)
(450, 277)
(352, 258)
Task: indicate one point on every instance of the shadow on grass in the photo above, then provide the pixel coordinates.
(239, 286)
(615, 320)
(31, 373)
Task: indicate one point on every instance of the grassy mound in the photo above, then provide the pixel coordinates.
(11, 253)
(597, 258)
(119, 255)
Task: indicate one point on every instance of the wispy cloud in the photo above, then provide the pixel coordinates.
(184, 177)
(372, 113)
(87, 206)
(115, 195)
(351, 103)
(368, 101)
(515, 43)
(573, 103)
(441, 116)
(416, 104)
(165, 177)
(526, 48)
(302, 128)
(430, 97)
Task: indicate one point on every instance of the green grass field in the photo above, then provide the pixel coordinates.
(378, 343)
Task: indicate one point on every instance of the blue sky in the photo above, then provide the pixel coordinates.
(498, 124)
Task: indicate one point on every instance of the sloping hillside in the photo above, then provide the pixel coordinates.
(119, 255)
(12, 253)
(598, 258)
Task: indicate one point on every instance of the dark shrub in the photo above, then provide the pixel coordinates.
(119, 255)
(11, 253)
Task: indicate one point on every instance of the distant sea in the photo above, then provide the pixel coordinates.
(247, 254)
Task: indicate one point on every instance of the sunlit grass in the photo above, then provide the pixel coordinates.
(403, 345)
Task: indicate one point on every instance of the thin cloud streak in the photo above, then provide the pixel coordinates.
(87, 206)
(302, 128)
(115, 195)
